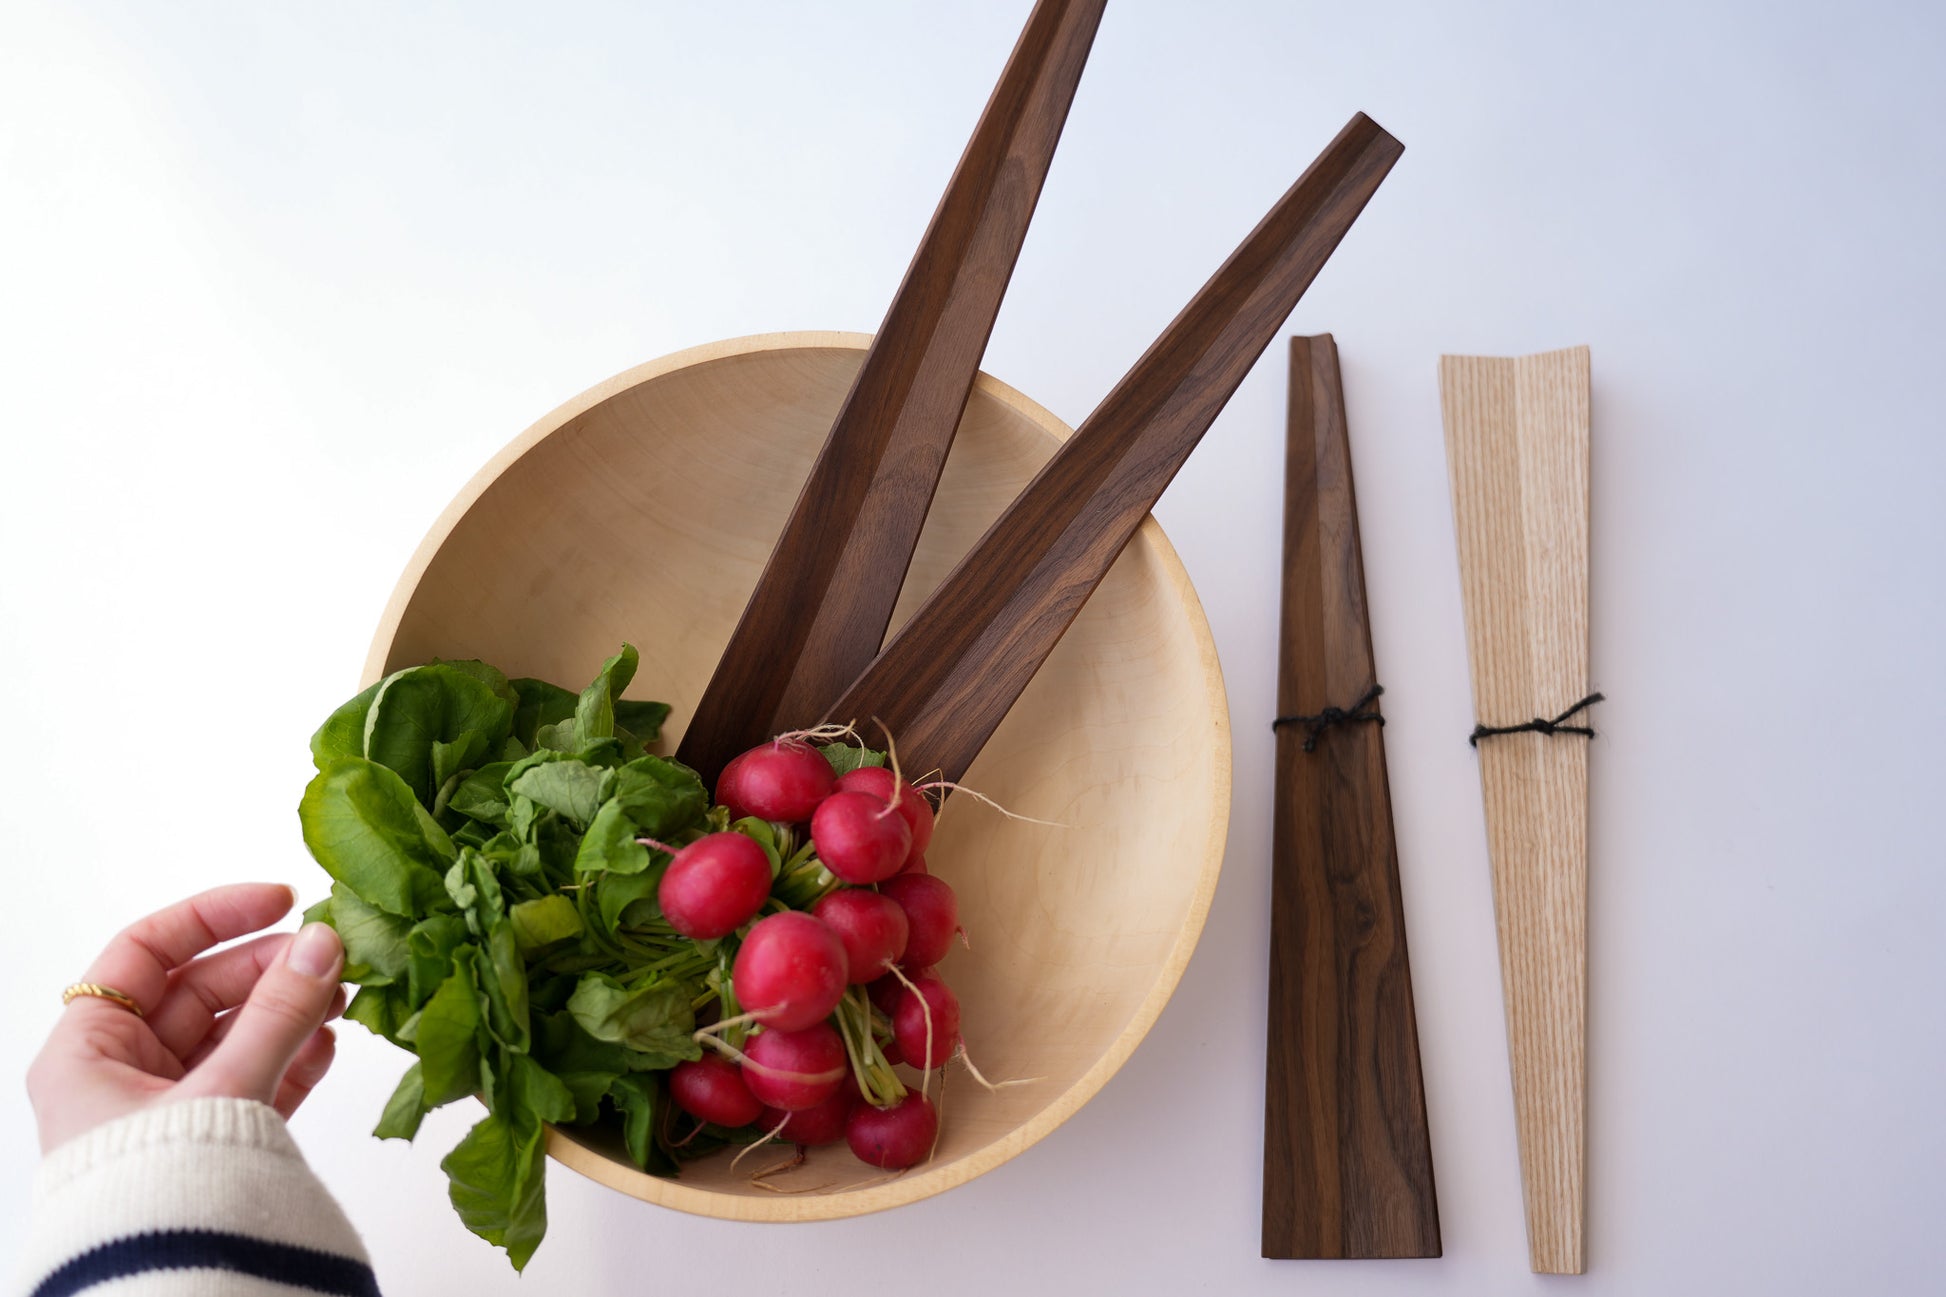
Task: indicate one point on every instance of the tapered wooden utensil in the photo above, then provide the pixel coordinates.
(1347, 1156)
(949, 676)
(1517, 452)
(820, 609)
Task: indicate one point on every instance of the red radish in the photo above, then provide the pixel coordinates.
(872, 928)
(714, 886)
(890, 1049)
(822, 1123)
(911, 804)
(711, 1089)
(782, 780)
(794, 1070)
(859, 838)
(909, 1025)
(914, 864)
(886, 992)
(893, 1138)
(790, 971)
(932, 913)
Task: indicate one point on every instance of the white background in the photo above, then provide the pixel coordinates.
(277, 278)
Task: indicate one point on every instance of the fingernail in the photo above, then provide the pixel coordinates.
(315, 952)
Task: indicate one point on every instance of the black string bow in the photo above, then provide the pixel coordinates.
(1539, 726)
(1324, 720)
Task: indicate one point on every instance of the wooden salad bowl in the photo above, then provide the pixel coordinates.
(644, 509)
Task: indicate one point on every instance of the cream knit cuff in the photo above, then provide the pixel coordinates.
(224, 1165)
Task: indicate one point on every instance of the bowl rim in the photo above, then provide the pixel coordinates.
(912, 1186)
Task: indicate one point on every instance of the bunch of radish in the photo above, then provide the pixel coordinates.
(833, 981)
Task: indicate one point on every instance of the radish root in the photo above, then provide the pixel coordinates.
(953, 786)
(938, 1117)
(796, 1159)
(891, 759)
(992, 1086)
(925, 1007)
(723, 1024)
(736, 1055)
(758, 1143)
(829, 732)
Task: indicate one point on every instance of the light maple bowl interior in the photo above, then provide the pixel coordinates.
(644, 509)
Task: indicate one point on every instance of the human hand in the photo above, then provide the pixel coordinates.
(246, 1022)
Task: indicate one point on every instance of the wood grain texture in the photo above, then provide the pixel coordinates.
(820, 612)
(948, 678)
(1347, 1155)
(583, 533)
(1517, 452)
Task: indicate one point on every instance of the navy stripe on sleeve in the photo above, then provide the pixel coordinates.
(208, 1249)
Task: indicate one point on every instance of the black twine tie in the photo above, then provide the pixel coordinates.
(1539, 726)
(1324, 720)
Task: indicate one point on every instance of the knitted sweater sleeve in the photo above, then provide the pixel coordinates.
(208, 1196)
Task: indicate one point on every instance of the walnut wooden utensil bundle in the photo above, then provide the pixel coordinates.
(1347, 1157)
(808, 648)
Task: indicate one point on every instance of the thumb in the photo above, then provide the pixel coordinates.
(289, 1002)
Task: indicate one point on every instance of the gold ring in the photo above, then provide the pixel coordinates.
(108, 993)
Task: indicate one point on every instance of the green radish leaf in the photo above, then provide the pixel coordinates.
(496, 1180)
(503, 976)
(543, 923)
(405, 1109)
(381, 1010)
(845, 759)
(609, 846)
(490, 676)
(654, 1022)
(764, 834)
(567, 787)
(607, 753)
(451, 760)
(637, 1096)
(448, 1034)
(539, 1091)
(615, 893)
(473, 834)
(594, 711)
(661, 796)
(564, 736)
(429, 957)
(585, 1065)
(558, 845)
(343, 732)
(374, 941)
(475, 889)
(540, 704)
(643, 720)
(366, 829)
(416, 709)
